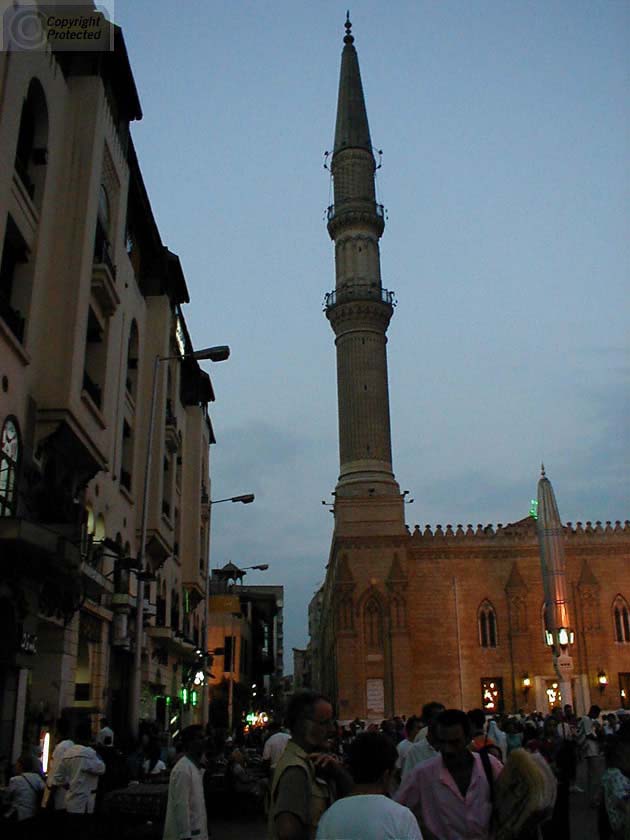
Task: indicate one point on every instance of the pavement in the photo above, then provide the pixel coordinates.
(239, 829)
(583, 824)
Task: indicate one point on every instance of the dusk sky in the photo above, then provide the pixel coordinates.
(505, 132)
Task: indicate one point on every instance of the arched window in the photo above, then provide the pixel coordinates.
(131, 380)
(621, 615)
(373, 623)
(31, 153)
(9, 462)
(487, 623)
(102, 247)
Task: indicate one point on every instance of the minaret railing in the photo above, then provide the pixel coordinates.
(335, 209)
(359, 291)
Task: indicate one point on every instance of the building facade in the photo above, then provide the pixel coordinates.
(89, 296)
(453, 614)
(245, 640)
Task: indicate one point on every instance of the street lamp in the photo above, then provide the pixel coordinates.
(213, 354)
(245, 499)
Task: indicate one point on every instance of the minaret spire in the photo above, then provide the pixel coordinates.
(352, 129)
(359, 310)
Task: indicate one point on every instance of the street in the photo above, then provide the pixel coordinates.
(583, 824)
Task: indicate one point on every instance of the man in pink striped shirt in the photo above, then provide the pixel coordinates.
(450, 794)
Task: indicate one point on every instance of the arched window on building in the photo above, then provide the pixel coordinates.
(9, 463)
(131, 379)
(487, 623)
(373, 623)
(31, 154)
(621, 615)
(102, 236)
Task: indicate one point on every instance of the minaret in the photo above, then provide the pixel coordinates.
(359, 311)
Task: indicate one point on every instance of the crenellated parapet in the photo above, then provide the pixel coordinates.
(524, 531)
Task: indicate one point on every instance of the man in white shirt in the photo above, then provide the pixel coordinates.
(105, 734)
(420, 752)
(78, 773)
(274, 746)
(412, 728)
(63, 745)
(25, 792)
(368, 813)
(186, 809)
(588, 738)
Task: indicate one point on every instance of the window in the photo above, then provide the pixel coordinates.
(31, 152)
(160, 603)
(621, 614)
(15, 280)
(174, 610)
(102, 246)
(227, 654)
(131, 380)
(95, 358)
(9, 461)
(126, 467)
(373, 624)
(487, 622)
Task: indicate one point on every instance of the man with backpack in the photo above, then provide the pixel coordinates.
(451, 794)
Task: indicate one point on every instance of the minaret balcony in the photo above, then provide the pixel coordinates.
(347, 206)
(355, 211)
(358, 291)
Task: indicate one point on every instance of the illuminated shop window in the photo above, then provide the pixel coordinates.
(492, 694)
(9, 460)
(554, 695)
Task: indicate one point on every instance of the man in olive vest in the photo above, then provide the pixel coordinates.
(307, 779)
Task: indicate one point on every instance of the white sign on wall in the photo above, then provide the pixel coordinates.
(375, 697)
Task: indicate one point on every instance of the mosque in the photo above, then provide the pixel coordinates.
(453, 613)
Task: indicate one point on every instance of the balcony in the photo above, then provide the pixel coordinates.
(335, 210)
(12, 318)
(104, 274)
(359, 291)
(92, 390)
(171, 433)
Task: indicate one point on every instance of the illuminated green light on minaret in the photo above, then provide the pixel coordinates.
(533, 508)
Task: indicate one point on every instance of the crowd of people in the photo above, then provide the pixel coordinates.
(444, 774)
(448, 775)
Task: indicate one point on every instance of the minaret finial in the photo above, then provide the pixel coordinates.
(542, 471)
(348, 39)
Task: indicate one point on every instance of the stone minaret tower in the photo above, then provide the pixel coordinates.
(367, 496)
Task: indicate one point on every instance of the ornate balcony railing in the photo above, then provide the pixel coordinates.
(335, 210)
(103, 250)
(359, 291)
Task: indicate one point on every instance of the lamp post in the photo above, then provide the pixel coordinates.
(558, 633)
(245, 499)
(214, 354)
